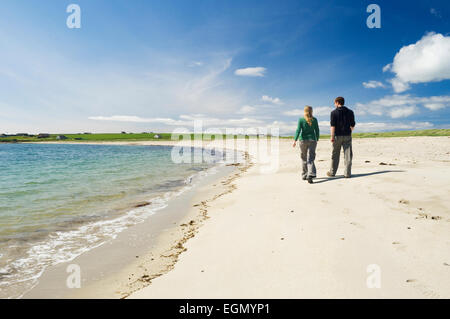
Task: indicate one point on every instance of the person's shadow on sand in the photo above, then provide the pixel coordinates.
(327, 179)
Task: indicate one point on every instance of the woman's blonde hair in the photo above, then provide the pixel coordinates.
(308, 111)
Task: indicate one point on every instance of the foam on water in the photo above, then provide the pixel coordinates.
(20, 273)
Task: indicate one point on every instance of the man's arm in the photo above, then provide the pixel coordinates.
(332, 130)
(352, 122)
(333, 127)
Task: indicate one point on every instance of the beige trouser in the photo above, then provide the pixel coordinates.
(308, 155)
(344, 142)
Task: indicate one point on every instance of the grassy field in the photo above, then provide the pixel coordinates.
(106, 137)
(436, 132)
(167, 136)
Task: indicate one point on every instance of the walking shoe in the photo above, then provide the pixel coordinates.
(310, 180)
(330, 175)
(304, 178)
(347, 176)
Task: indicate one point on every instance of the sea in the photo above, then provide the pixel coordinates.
(58, 201)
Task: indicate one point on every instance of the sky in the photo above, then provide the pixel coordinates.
(157, 66)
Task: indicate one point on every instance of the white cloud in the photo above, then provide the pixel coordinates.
(195, 64)
(253, 71)
(285, 128)
(434, 106)
(383, 126)
(317, 111)
(271, 100)
(399, 85)
(401, 105)
(184, 120)
(296, 112)
(373, 85)
(322, 111)
(427, 60)
(387, 67)
(246, 109)
(403, 111)
(156, 84)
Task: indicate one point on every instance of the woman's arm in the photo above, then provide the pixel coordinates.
(297, 133)
(316, 129)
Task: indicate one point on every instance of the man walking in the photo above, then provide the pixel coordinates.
(342, 124)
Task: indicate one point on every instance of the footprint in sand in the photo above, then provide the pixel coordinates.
(357, 225)
(426, 290)
(399, 246)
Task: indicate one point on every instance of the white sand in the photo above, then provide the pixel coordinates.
(276, 236)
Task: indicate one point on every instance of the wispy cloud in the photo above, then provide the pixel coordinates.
(185, 120)
(435, 12)
(373, 84)
(317, 111)
(195, 64)
(406, 111)
(252, 71)
(397, 106)
(272, 100)
(385, 126)
(246, 109)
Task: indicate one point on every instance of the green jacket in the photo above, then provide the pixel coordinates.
(307, 132)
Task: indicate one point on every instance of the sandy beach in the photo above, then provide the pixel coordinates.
(249, 234)
(275, 236)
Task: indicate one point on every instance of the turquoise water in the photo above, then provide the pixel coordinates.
(58, 201)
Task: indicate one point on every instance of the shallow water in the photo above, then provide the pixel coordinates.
(58, 201)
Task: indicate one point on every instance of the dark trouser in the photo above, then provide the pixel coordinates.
(346, 143)
(308, 155)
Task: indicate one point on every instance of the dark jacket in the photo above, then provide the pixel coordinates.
(342, 118)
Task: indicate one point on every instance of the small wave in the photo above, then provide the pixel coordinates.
(65, 246)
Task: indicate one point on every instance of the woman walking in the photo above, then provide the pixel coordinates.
(308, 131)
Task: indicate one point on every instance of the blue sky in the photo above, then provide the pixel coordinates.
(157, 65)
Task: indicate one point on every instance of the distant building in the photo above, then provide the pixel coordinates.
(43, 135)
(123, 132)
(156, 136)
(61, 137)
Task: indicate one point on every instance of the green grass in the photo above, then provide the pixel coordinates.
(167, 136)
(106, 137)
(436, 132)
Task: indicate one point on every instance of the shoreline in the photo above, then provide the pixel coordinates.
(165, 231)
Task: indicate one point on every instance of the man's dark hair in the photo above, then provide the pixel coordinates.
(340, 100)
